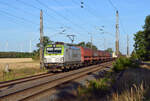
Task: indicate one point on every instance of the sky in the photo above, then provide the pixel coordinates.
(20, 22)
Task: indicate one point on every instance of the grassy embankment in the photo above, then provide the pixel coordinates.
(128, 81)
(19, 68)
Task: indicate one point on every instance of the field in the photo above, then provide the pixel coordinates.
(20, 67)
(15, 60)
(18, 63)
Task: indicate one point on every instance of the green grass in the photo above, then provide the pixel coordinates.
(124, 63)
(20, 73)
(95, 88)
(133, 85)
(136, 93)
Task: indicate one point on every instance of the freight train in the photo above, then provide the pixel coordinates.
(63, 56)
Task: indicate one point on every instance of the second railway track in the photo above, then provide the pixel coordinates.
(21, 80)
(32, 89)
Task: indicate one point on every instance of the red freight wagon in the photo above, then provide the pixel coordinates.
(95, 56)
(100, 53)
(107, 56)
(89, 55)
(86, 54)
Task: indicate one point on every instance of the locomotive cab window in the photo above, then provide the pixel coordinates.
(57, 50)
(54, 50)
(49, 50)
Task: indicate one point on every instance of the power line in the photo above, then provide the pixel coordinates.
(30, 46)
(37, 8)
(91, 10)
(76, 25)
(115, 8)
(68, 20)
(43, 4)
(9, 19)
(71, 37)
(7, 4)
(23, 19)
(121, 23)
(82, 20)
(87, 8)
(30, 5)
(20, 18)
(111, 3)
(60, 15)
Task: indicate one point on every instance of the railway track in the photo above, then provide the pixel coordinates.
(21, 80)
(27, 90)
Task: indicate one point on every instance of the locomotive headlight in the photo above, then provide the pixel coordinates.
(62, 59)
(57, 59)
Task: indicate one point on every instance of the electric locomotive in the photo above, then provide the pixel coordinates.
(61, 56)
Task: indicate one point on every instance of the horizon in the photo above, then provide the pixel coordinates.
(17, 28)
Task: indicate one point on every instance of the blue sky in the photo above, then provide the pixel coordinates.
(20, 21)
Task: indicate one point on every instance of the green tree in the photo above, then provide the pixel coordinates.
(147, 37)
(142, 41)
(87, 45)
(139, 45)
(109, 50)
(81, 44)
(46, 40)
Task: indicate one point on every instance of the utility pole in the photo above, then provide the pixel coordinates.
(91, 38)
(30, 48)
(127, 45)
(71, 37)
(41, 40)
(104, 43)
(6, 46)
(91, 42)
(117, 33)
(21, 47)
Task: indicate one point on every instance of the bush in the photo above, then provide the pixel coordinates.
(15, 55)
(36, 55)
(121, 63)
(101, 84)
(97, 88)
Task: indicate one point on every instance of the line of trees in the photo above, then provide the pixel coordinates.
(16, 55)
(142, 42)
(88, 45)
(35, 53)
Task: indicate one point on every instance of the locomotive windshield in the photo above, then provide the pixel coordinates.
(53, 50)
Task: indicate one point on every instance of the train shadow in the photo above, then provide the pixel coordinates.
(68, 91)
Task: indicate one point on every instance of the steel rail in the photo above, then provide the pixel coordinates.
(50, 91)
(21, 80)
(59, 79)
